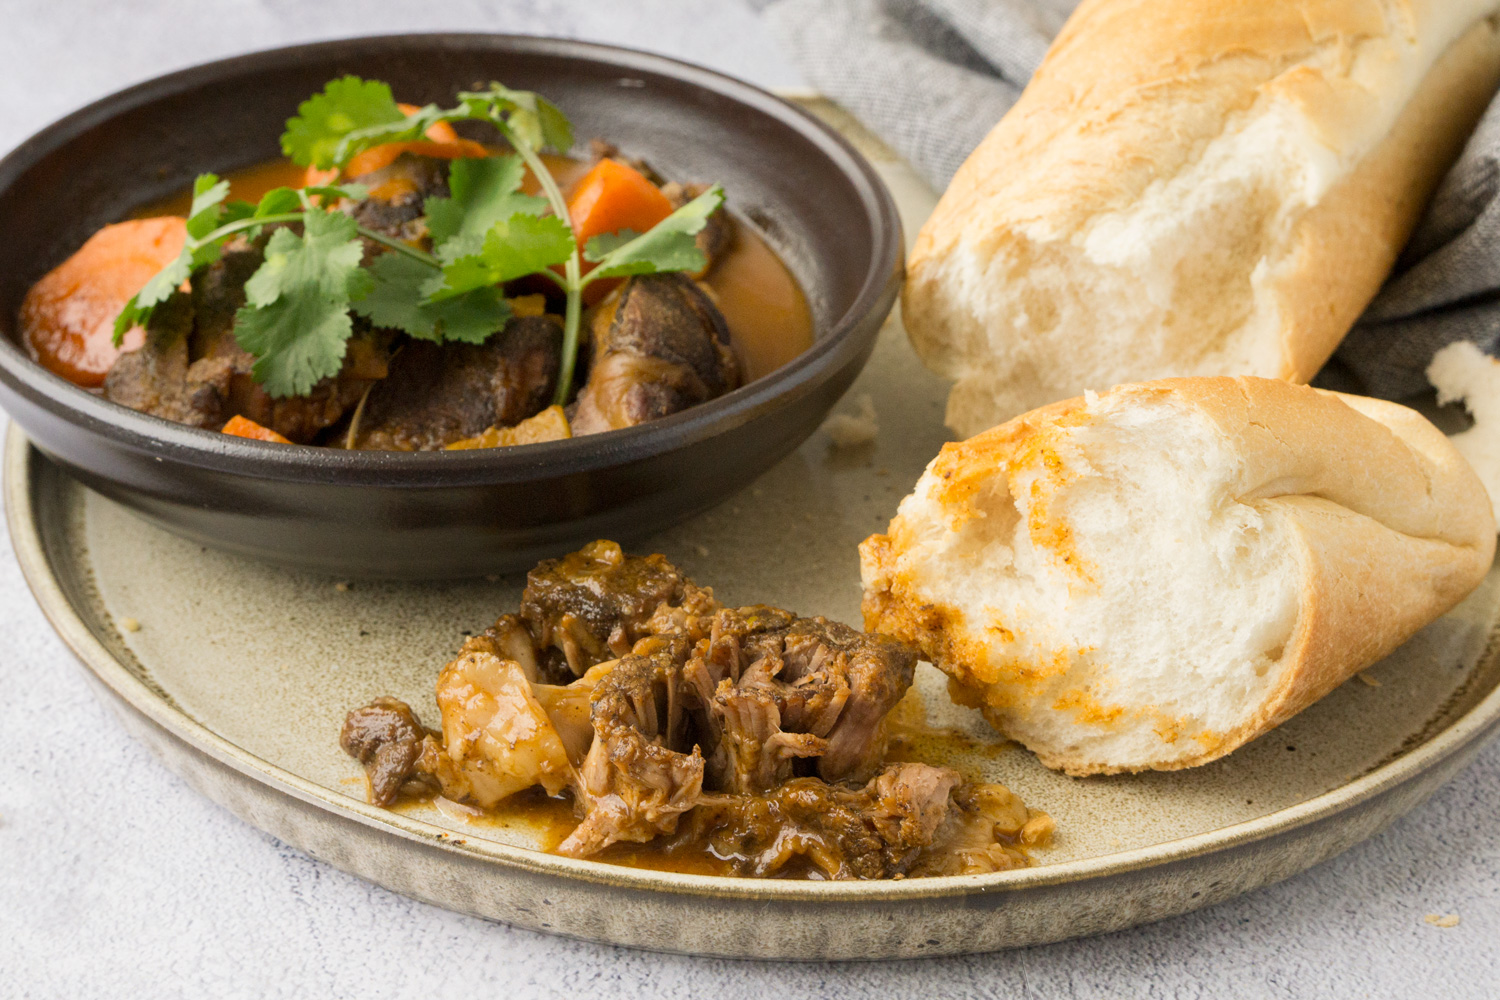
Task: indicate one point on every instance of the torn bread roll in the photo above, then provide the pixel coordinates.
(1193, 187)
(1152, 577)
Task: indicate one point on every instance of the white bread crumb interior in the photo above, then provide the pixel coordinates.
(1150, 577)
(1192, 187)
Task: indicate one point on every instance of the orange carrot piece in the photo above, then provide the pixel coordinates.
(612, 197)
(438, 131)
(68, 317)
(246, 428)
(379, 157)
(443, 143)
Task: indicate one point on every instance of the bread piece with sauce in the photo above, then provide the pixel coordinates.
(1193, 187)
(1152, 577)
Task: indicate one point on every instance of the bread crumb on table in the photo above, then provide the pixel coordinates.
(1442, 920)
(130, 625)
(341, 586)
(850, 430)
(1367, 679)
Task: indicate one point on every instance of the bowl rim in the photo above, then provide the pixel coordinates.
(836, 342)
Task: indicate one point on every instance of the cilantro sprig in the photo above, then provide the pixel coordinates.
(297, 316)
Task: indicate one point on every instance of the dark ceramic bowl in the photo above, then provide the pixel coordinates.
(816, 200)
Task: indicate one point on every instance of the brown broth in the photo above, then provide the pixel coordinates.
(549, 819)
(768, 316)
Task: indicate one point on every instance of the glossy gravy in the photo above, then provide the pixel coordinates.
(549, 819)
(768, 316)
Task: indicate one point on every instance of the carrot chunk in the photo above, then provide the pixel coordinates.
(68, 317)
(246, 428)
(438, 131)
(612, 197)
(442, 143)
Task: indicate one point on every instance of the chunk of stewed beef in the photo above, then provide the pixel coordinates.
(593, 604)
(659, 346)
(751, 735)
(437, 394)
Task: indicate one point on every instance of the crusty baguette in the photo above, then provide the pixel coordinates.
(1149, 578)
(1193, 187)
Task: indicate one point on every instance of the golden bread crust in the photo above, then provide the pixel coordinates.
(1390, 525)
(1131, 99)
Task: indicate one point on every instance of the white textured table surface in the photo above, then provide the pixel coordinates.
(117, 881)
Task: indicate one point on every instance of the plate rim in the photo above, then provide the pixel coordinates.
(1480, 722)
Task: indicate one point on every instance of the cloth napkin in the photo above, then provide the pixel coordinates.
(931, 77)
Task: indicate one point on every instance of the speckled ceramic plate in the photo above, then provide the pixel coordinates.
(239, 675)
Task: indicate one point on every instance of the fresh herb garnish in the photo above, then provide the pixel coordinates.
(670, 245)
(203, 217)
(398, 301)
(484, 191)
(323, 120)
(296, 320)
(296, 314)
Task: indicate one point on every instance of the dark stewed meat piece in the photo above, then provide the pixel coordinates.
(749, 735)
(643, 771)
(386, 737)
(594, 604)
(158, 378)
(729, 700)
(193, 371)
(438, 394)
(659, 345)
(780, 688)
(397, 197)
(876, 831)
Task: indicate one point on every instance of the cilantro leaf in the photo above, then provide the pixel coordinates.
(138, 309)
(532, 118)
(458, 247)
(203, 218)
(325, 259)
(408, 129)
(513, 248)
(397, 301)
(670, 245)
(601, 246)
(484, 192)
(236, 210)
(462, 274)
(346, 105)
(354, 192)
(208, 195)
(297, 341)
(277, 201)
(525, 244)
(537, 121)
(296, 317)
